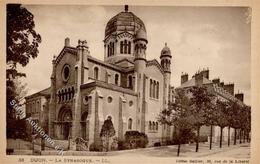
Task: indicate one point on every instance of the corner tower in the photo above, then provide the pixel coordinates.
(119, 38)
(166, 65)
(140, 42)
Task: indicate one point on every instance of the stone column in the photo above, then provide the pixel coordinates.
(122, 103)
(95, 117)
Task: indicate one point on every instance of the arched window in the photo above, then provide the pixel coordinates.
(157, 90)
(151, 87)
(150, 125)
(130, 81)
(69, 93)
(62, 95)
(66, 95)
(59, 96)
(125, 47)
(121, 47)
(96, 73)
(113, 48)
(154, 88)
(116, 79)
(153, 125)
(130, 121)
(129, 47)
(108, 50)
(156, 127)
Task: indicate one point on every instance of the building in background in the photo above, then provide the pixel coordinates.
(222, 91)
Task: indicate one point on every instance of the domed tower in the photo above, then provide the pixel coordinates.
(119, 36)
(166, 65)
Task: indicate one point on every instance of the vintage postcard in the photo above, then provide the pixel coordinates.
(120, 82)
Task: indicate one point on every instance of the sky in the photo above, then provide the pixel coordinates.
(217, 38)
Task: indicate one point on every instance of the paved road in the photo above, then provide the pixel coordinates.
(234, 151)
(237, 151)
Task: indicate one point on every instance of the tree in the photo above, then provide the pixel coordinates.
(222, 119)
(201, 104)
(22, 39)
(235, 109)
(107, 131)
(245, 121)
(179, 115)
(22, 43)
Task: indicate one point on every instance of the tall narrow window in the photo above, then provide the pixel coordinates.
(121, 47)
(130, 81)
(157, 90)
(108, 50)
(125, 47)
(156, 127)
(113, 48)
(96, 73)
(151, 87)
(150, 125)
(129, 47)
(154, 87)
(116, 79)
(130, 121)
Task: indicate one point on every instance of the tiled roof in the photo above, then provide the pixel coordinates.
(43, 92)
(191, 82)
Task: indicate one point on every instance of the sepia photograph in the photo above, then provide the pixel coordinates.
(128, 81)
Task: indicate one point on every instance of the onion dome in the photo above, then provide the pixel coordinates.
(166, 52)
(124, 21)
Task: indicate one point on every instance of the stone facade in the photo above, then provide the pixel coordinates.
(84, 91)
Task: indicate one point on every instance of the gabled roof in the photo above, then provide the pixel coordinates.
(71, 50)
(156, 63)
(44, 92)
(128, 63)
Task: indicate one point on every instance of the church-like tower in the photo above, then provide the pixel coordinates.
(166, 65)
(119, 36)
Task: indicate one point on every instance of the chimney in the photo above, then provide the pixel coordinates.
(240, 96)
(221, 84)
(67, 42)
(199, 79)
(229, 88)
(184, 78)
(216, 81)
(205, 73)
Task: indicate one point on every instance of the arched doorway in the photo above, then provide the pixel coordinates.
(65, 119)
(84, 125)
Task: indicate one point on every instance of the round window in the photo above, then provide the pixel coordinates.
(109, 99)
(66, 72)
(131, 103)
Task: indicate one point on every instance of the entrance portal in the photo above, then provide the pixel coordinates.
(65, 120)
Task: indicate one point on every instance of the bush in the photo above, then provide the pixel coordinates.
(135, 139)
(95, 147)
(157, 144)
(203, 139)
